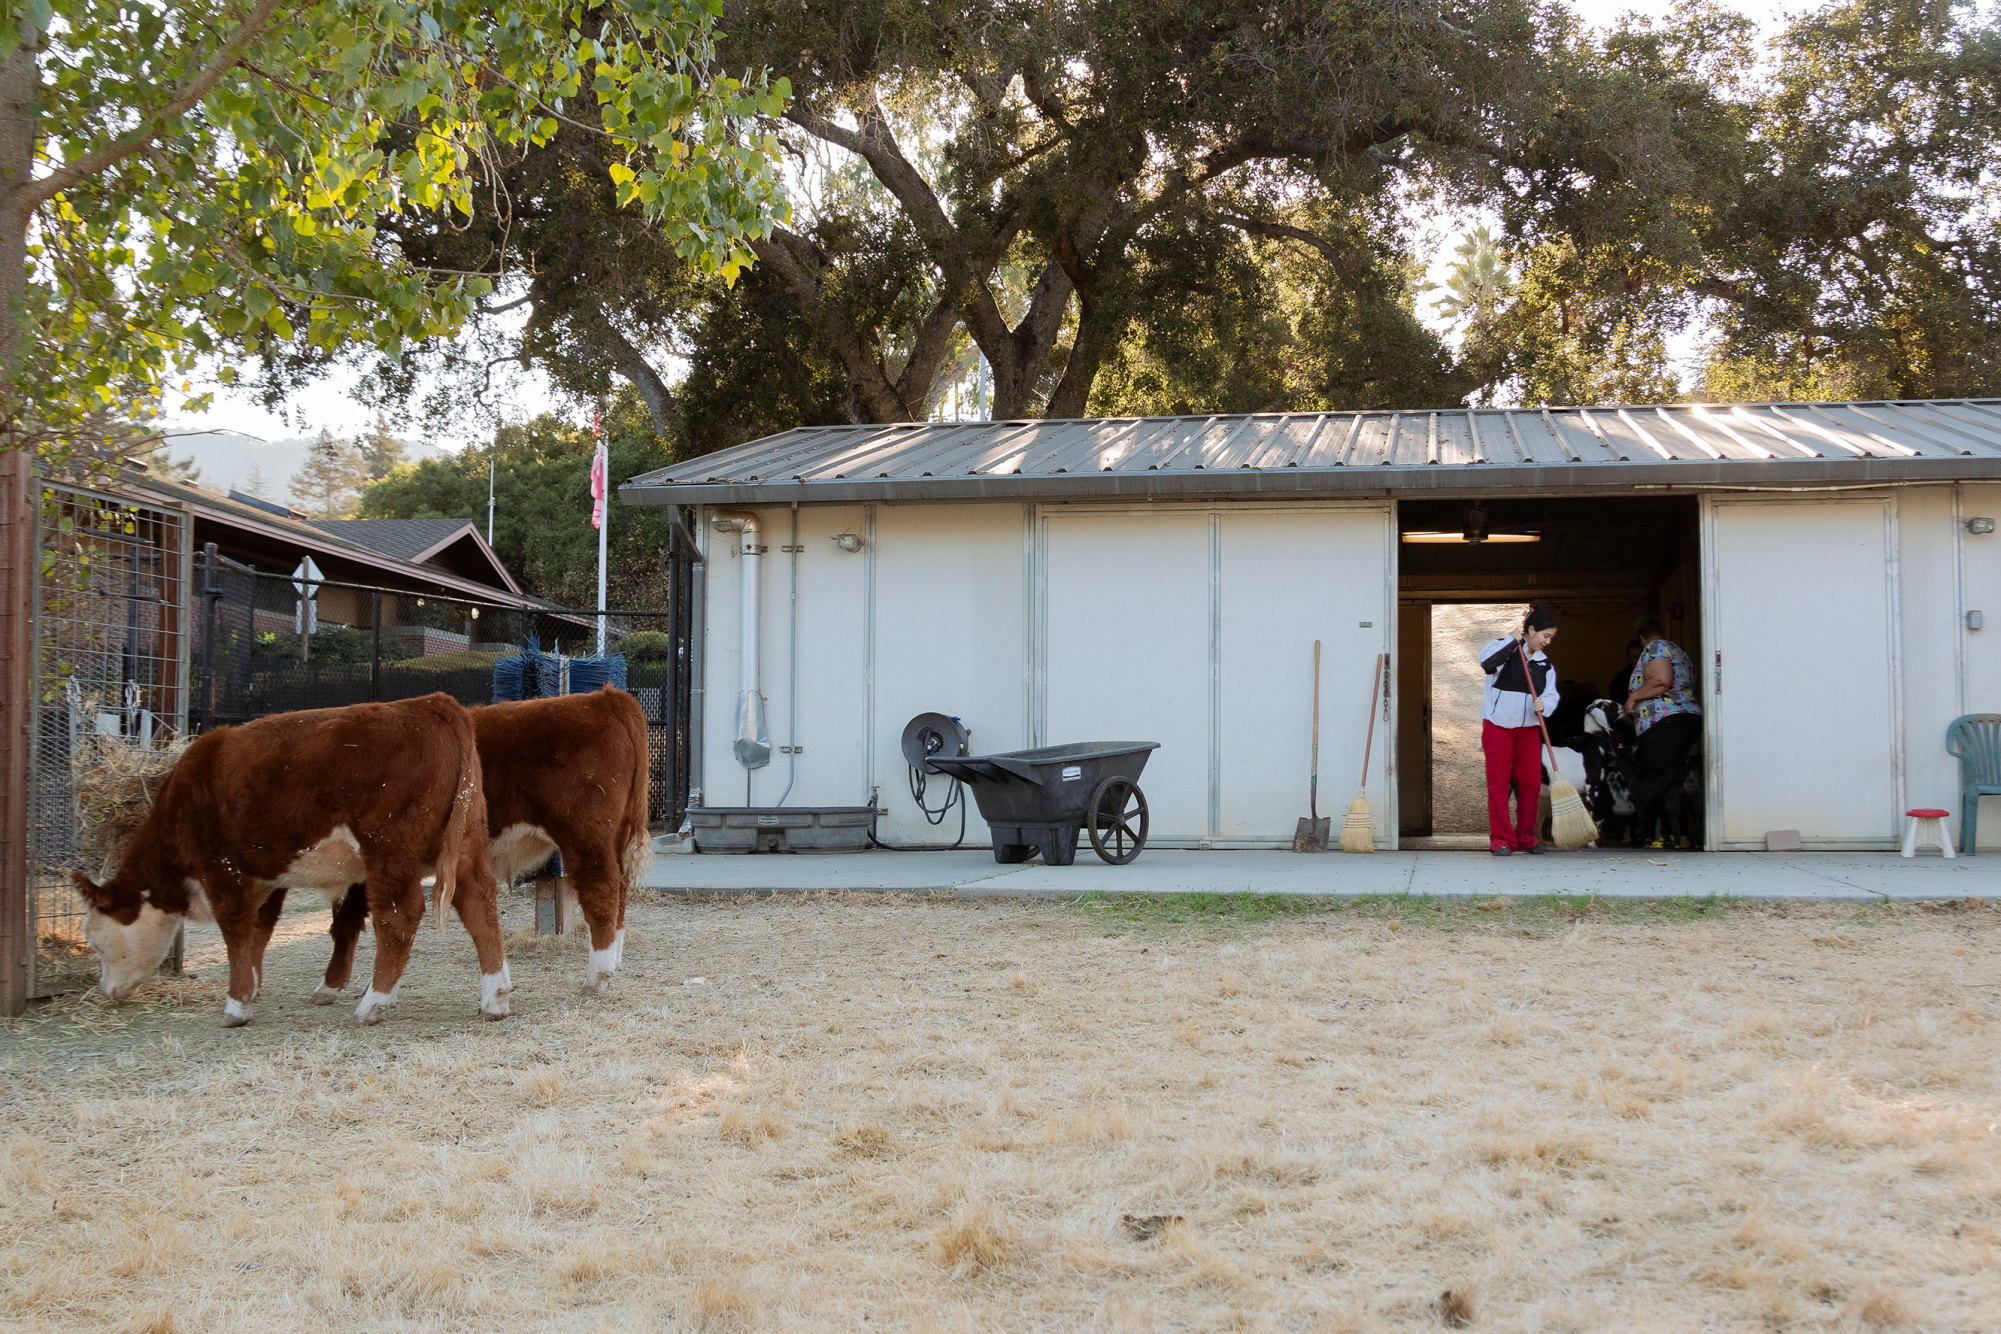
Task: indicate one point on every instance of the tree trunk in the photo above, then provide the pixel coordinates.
(635, 368)
(20, 81)
(1019, 356)
(791, 258)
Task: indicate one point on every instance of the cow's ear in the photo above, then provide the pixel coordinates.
(91, 892)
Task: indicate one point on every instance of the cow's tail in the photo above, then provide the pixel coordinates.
(637, 854)
(459, 825)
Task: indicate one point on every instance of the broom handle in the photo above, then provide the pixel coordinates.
(1313, 785)
(1375, 688)
(1528, 679)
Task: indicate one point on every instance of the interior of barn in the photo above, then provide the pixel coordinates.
(1467, 570)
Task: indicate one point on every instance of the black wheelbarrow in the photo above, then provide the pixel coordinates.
(1041, 799)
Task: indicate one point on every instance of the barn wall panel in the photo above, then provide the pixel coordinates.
(1127, 627)
(1805, 730)
(1289, 578)
(832, 650)
(949, 637)
(1933, 633)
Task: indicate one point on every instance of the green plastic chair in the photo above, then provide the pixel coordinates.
(1975, 740)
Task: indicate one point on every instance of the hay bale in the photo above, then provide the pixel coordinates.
(114, 782)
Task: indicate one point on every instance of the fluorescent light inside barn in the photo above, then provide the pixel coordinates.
(1461, 537)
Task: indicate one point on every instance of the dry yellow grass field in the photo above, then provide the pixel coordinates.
(935, 1115)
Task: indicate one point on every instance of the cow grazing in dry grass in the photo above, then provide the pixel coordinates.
(565, 774)
(381, 794)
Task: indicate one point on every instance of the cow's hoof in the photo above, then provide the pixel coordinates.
(598, 985)
(374, 1008)
(235, 1014)
(494, 1015)
(326, 995)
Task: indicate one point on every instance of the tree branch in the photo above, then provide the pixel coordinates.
(927, 353)
(39, 191)
(635, 368)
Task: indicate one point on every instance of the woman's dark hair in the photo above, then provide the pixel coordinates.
(1538, 619)
(1649, 627)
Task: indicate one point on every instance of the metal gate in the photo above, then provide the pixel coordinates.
(109, 656)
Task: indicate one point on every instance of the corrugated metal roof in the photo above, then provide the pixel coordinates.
(1700, 444)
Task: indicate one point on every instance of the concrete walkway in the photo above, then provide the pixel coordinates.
(1633, 874)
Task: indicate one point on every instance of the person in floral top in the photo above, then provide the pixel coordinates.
(1661, 701)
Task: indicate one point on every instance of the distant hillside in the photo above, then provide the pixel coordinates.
(225, 459)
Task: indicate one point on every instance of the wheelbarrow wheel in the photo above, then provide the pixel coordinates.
(1117, 820)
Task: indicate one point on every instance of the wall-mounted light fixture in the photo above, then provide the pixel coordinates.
(848, 542)
(1429, 538)
(1980, 527)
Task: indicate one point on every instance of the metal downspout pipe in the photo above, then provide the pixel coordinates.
(792, 695)
(753, 738)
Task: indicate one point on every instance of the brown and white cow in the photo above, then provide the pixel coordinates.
(565, 774)
(381, 794)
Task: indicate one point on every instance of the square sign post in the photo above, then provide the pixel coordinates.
(306, 616)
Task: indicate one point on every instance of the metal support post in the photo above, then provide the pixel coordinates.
(17, 566)
(211, 610)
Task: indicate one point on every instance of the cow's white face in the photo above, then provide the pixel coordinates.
(128, 955)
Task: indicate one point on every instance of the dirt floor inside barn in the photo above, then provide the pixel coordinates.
(932, 1115)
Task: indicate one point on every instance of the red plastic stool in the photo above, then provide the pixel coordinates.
(1928, 823)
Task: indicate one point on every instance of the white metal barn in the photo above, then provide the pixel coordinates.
(1164, 580)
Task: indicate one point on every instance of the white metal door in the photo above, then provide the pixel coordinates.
(1126, 649)
(1290, 577)
(1803, 684)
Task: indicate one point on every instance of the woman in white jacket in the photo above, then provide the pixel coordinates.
(1510, 730)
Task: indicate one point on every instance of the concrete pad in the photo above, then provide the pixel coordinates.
(1619, 872)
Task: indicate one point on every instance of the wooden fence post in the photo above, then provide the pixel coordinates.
(17, 576)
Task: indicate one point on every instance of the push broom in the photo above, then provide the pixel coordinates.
(1358, 830)
(1311, 834)
(1570, 825)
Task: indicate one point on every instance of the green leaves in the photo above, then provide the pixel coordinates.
(256, 212)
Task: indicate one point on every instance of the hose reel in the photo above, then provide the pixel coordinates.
(924, 736)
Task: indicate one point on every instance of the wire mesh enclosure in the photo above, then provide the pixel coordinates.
(109, 663)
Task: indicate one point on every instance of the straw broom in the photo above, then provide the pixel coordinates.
(1570, 825)
(1358, 832)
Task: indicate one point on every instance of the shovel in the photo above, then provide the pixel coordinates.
(1311, 835)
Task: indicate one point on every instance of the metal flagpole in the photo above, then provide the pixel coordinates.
(600, 493)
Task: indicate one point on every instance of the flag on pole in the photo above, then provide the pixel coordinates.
(598, 471)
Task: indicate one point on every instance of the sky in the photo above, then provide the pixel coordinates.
(331, 402)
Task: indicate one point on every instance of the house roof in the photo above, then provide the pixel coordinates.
(281, 538)
(405, 539)
(1455, 450)
(424, 542)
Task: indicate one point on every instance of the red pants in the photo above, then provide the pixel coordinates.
(1512, 752)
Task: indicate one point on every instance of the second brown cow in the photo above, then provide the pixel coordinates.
(566, 774)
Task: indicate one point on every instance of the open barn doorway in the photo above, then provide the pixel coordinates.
(1467, 570)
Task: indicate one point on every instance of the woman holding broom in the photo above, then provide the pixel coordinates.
(1521, 687)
